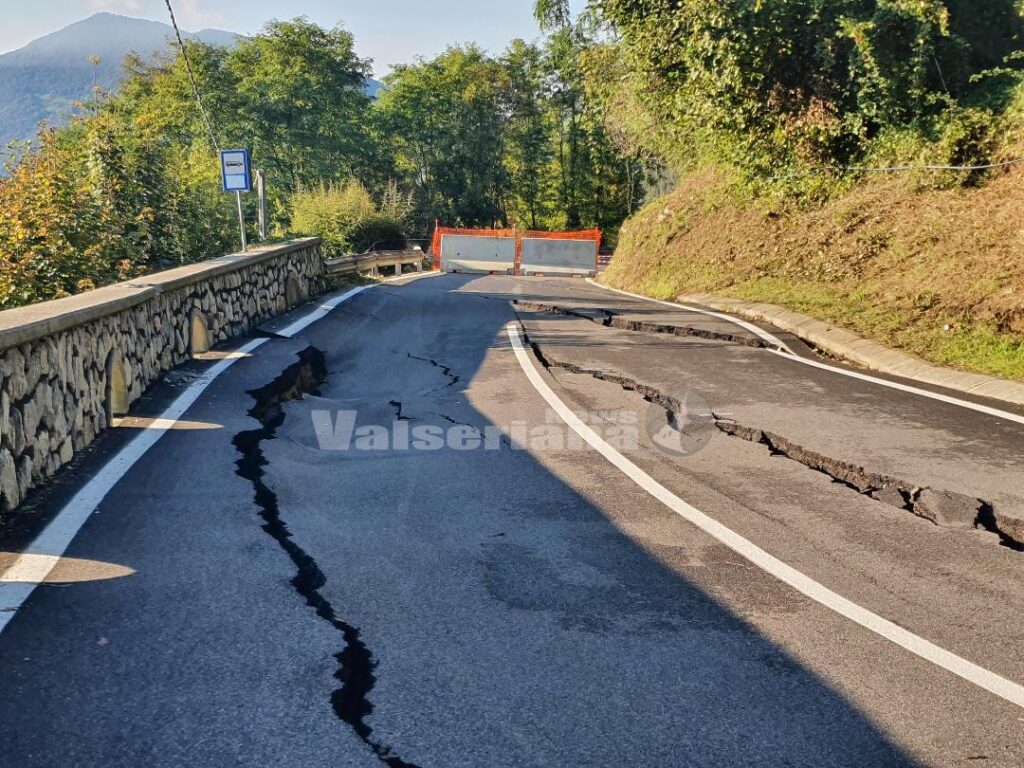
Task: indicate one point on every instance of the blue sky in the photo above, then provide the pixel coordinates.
(388, 31)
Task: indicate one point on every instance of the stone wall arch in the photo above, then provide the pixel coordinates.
(198, 334)
(116, 401)
(293, 291)
(71, 367)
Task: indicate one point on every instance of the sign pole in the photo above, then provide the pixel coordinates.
(261, 191)
(241, 222)
(236, 176)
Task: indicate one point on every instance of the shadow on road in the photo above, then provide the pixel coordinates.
(502, 605)
(513, 609)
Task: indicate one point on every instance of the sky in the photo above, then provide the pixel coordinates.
(387, 31)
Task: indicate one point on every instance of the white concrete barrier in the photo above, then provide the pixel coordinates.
(476, 253)
(559, 257)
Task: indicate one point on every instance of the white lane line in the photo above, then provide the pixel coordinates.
(999, 414)
(34, 564)
(983, 678)
(788, 354)
(759, 332)
(319, 313)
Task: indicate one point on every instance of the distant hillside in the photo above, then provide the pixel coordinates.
(44, 79)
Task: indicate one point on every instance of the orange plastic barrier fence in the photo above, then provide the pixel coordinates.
(518, 234)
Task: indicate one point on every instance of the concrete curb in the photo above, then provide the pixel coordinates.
(861, 351)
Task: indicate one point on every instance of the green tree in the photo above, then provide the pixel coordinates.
(552, 14)
(133, 184)
(766, 86)
(597, 183)
(528, 147)
(299, 102)
(52, 226)
(443, 121)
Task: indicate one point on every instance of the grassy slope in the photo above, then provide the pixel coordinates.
(887, 259)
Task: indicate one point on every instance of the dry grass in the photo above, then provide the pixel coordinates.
(889, 259)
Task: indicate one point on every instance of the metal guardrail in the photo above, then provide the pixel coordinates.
(373, 262)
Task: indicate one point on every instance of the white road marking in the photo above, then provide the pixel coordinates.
(999, 414)
(759, 332)
(53, 542)
(788, 354)
(320, 312)
(35, 563)
(979, 676)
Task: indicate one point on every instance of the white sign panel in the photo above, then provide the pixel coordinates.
(235, 170)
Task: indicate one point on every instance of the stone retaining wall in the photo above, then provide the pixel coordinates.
(68, 367)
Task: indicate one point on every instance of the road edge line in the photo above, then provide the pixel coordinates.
(985, 679)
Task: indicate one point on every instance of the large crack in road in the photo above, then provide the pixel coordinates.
(356, 663)
(614, 320)
(944, 508)
(671, 405)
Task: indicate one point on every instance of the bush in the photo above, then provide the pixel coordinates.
(329, 212)
(967, 140)
(376, 229)
(779, 88)
(346, 217)
(95, 203)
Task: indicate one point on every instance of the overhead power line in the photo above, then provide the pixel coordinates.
(192, 78)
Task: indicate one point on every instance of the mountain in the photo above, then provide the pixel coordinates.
(44, 79)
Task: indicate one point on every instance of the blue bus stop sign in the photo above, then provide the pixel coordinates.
(235, 168)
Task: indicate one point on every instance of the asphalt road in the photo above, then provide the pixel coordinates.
(375, 543)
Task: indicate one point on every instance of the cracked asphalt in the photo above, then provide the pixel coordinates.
(278, 582)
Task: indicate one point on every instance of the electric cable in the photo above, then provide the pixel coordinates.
(192, 79)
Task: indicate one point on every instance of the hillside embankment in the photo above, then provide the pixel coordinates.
(935, 272)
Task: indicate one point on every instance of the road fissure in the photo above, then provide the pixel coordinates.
(944, 508)
(947, 509)
(653, 395)
(992, 682)
(452, 377)
(616, 321)
(356, 663)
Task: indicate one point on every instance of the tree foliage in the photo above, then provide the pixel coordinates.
(299, 102)
(772, 86)
(347, 217)
(132, 185)
(552, 14)
(516, 140)
(442, 120)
